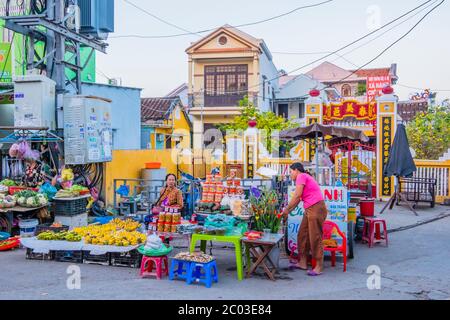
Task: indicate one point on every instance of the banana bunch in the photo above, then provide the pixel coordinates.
(116, 233)
(128, 225)
(47, 236)
(60, 236)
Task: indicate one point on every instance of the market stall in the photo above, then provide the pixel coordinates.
(336, 197)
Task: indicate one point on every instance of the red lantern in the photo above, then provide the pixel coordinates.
(314, 93)
(252, 123)
(388, 90)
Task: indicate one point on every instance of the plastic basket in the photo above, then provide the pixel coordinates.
(69, 256)
(131, 259)
(48, 227)
(30, 255)
(101, 259)
(69, 207)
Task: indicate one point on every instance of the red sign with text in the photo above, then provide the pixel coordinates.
(375, 86)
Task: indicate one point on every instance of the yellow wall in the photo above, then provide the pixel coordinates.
(127, 164)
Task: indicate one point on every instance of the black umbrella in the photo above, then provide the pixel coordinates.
(400, 162)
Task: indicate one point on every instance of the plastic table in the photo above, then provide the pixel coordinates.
(236, 240)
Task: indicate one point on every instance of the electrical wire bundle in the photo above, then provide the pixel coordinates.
(38, 6)
(90, 175)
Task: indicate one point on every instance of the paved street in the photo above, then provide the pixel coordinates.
(415, 266)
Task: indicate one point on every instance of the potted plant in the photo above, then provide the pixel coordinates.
(264, 206)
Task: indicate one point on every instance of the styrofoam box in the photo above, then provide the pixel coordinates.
(80, 220)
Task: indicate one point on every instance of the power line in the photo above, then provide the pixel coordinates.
(417, 88)
(210, 29)
(343, 47)
(390, 46)
(160, 19)
(363, 45)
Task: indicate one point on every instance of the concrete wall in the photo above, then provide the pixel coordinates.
(126, 113)
(268, 70)
(127, 164)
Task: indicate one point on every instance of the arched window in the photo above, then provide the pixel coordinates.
(346, 90)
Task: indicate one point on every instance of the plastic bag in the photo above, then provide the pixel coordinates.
(23, 149)
(123, 190)
(49, 190)
(14, 150)
(153, 243)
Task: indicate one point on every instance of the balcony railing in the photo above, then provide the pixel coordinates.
(199, 100)
(223, 100)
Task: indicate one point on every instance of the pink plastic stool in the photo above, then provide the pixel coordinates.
(375, 231)
(147, 267)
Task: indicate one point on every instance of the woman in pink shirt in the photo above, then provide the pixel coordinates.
(310, 233)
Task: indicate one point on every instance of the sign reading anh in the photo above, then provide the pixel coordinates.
(336, 199)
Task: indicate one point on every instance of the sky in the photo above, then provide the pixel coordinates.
(160, 65)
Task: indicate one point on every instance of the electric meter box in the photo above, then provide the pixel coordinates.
(87, 130)
(34, 102)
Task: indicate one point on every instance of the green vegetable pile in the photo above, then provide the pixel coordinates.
(30, 199)
(8, 183)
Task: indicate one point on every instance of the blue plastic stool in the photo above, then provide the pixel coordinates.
(195, 273)
(179, 269)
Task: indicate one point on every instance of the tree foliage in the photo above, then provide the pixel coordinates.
(268, 122)
(429, 133)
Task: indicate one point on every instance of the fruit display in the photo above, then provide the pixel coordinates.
(30, 199)
(66, 194)
(116, 233)
(7, 183)
(79, 190)
(59, 236)
(7, 201)
(9, 244)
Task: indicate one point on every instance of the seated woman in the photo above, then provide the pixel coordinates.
(170, 195)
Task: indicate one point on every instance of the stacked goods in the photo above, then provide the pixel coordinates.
(213, 189)
(170, 220)
(194, 257)
(30, 199)
(116, 233)
(7, 201)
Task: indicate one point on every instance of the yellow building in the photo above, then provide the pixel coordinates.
(224, 67)
(164, 124)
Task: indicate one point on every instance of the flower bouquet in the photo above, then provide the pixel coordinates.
(264, 206)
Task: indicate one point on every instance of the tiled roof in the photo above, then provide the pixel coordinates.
(177, 91)
(364, 73)
(154, 109)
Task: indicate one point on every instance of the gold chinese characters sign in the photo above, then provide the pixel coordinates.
(347, 109)
(387, 135)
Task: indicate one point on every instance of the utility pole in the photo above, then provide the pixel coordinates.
(60, 39)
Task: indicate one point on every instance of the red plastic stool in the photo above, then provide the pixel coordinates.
(147, 267)
(372, 231)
